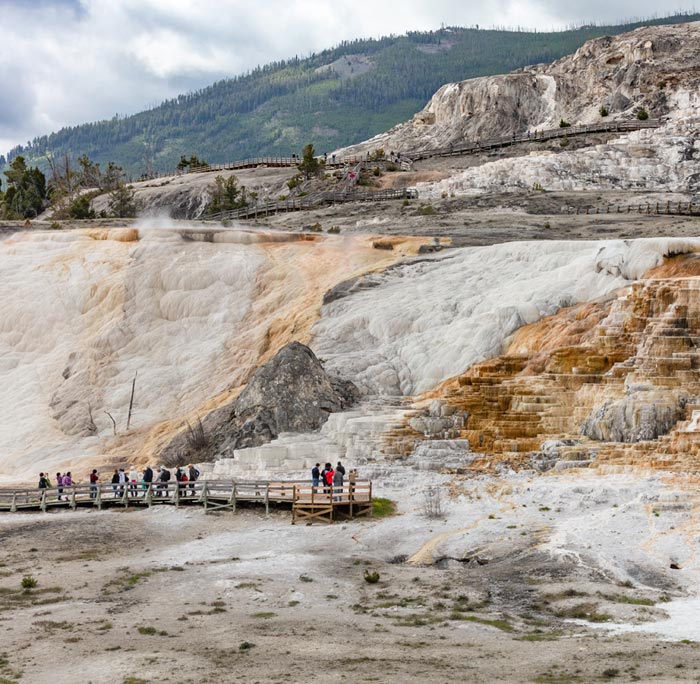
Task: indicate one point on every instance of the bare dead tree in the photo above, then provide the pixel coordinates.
(91, 424)
(432, 503)
(131, 400)
(196, 439)
(114, 423)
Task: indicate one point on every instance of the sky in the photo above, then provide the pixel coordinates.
(66, 62)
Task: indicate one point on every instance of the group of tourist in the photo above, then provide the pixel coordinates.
(328, 477)
(121, 481)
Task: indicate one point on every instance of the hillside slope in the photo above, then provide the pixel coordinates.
(340, 96)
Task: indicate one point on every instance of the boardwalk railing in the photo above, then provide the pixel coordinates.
(405, 160)
(348, 500)
(537, 136)
(309, 201)
(657, 208)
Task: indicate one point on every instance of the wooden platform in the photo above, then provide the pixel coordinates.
(306, 502)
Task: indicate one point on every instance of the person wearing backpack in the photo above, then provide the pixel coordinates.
(43, 481)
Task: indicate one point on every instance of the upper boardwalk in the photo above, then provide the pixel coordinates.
(307, 502)
(474, 147)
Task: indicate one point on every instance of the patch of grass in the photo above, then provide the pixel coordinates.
(544, 509)
(426, 210)
(416, 620)
(583, 611)
(245, 646)
(147, 630)
(503, 625)
(621, 598)
(51, 625)
(565, 594)
(539, 635)
(305, 578)
(610, 673)
(291, 604)
(557, 678)
(134, 680)
(264, 615)
(381, 507)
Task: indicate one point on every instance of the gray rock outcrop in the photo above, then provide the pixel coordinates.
(290, 393)
(634, 418)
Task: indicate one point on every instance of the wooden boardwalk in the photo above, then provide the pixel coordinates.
(476, 147)
(316, 199)
(306, 502)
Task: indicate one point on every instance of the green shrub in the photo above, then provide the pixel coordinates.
(564, 142)
(147, 630)
(563, 124)
(371, 577)
(392, 167)
(29, 582)
(642, 115)
(426, 210)
(603, 110)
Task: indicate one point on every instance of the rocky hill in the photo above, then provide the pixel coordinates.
(654, 68)
(339, 96)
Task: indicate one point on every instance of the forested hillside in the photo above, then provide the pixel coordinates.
(340, 96)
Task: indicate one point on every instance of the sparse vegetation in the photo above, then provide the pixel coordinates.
(563, 123)
(603, 111)
(564, 142)
(432, 503)
(28, 582)
(264, 615)
(382, 507)
(642, 115)
(147, 630)
(371, 577)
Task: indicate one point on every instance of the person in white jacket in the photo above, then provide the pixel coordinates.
(133, 479)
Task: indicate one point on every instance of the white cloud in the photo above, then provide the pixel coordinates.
(65, 62)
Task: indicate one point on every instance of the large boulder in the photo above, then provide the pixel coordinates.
(290, 393)
(639, 417)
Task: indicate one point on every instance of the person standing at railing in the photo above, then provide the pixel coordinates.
(43, 481)
(147, 477)
(338, 484)
(115, 483)
(327, 476)
(59, 484)
(194, 476)
(94, 477)
(133, 479)
(315, 475)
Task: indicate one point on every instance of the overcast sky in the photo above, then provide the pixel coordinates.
(65, 62)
